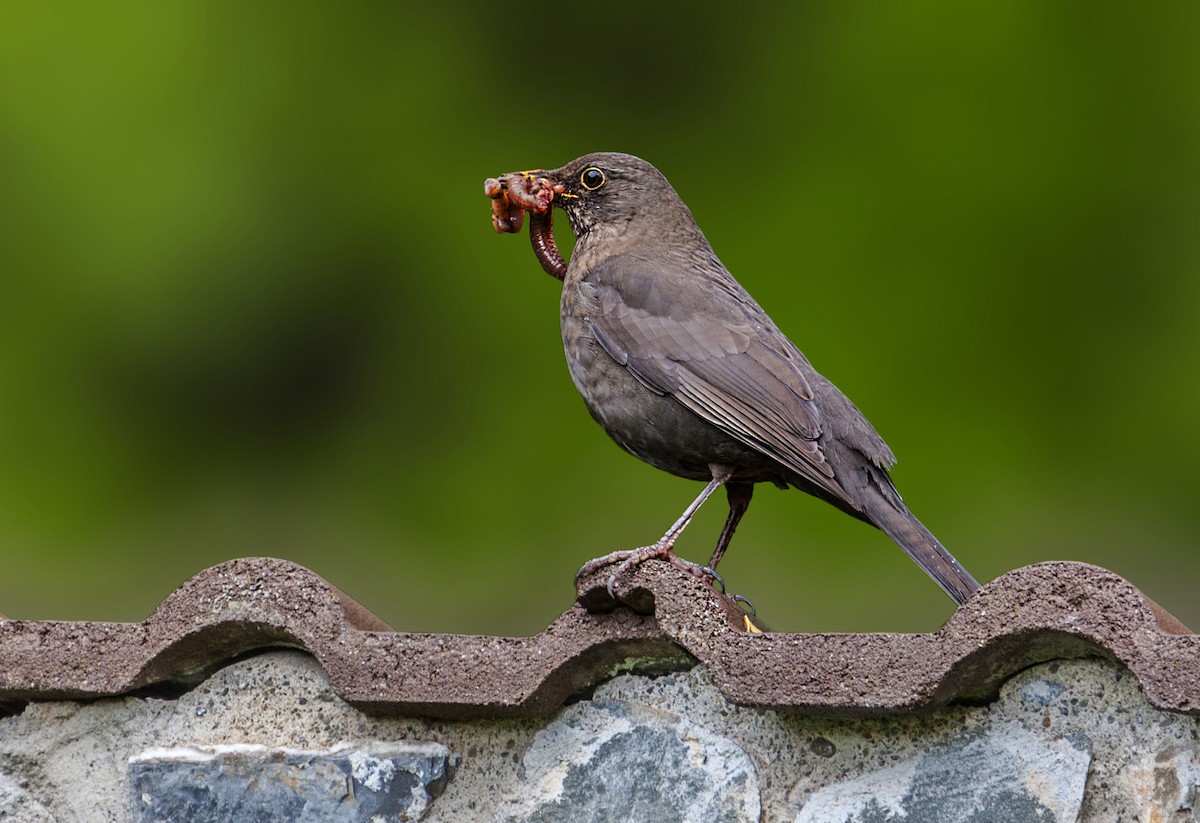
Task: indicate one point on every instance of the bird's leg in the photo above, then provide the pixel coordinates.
(739, 500)
(663, 547)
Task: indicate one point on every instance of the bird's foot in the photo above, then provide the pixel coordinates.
(711, 574)
(743, 602)
(600, 562)
(626, 559)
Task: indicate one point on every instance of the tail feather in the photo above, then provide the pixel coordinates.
(918, 543)
(869, 495)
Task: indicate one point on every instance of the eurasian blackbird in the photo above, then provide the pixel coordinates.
(684, 370)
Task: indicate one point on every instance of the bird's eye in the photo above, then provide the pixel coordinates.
(592, 178)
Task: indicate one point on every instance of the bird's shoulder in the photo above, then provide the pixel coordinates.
(683, 326)
(687, 308)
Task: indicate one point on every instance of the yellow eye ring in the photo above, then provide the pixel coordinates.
(592, 178)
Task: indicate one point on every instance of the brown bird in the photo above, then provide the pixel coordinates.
(684, 370)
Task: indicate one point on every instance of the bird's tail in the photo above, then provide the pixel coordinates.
(898, 523)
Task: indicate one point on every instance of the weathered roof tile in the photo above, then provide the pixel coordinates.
(1037, 613)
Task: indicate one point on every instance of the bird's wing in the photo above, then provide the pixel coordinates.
(718, 354)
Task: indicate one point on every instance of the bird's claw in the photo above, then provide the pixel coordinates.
(638, 556)
(600, 562)
(745, 604)
(716, 578)
(626, 559)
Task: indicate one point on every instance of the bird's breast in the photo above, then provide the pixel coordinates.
(649, 424)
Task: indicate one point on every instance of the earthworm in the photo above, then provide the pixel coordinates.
(542, 238)
(530, 193)
(514, 194)
(506, 218)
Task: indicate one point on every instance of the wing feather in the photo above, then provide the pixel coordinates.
(726, 361)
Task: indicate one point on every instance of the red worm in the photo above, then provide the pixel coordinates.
(514, 194)
(506, 218)
(541, 236)
(530, 193)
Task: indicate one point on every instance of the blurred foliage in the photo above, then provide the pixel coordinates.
(251, 304)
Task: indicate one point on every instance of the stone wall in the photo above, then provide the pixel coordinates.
(259, 692)
(267, 739)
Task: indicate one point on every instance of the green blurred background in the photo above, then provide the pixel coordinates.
(251, 302)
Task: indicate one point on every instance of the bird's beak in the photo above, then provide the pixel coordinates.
(555, 177)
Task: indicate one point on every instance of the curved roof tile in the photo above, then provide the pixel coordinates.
(1033, 614)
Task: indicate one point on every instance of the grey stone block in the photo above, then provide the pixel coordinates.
(1013, 774)
(257, 784)
(614, 760)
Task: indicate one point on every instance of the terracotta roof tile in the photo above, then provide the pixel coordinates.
(1037, 613)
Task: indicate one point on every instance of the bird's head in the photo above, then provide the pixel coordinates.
(612, 189)
(605, 194)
